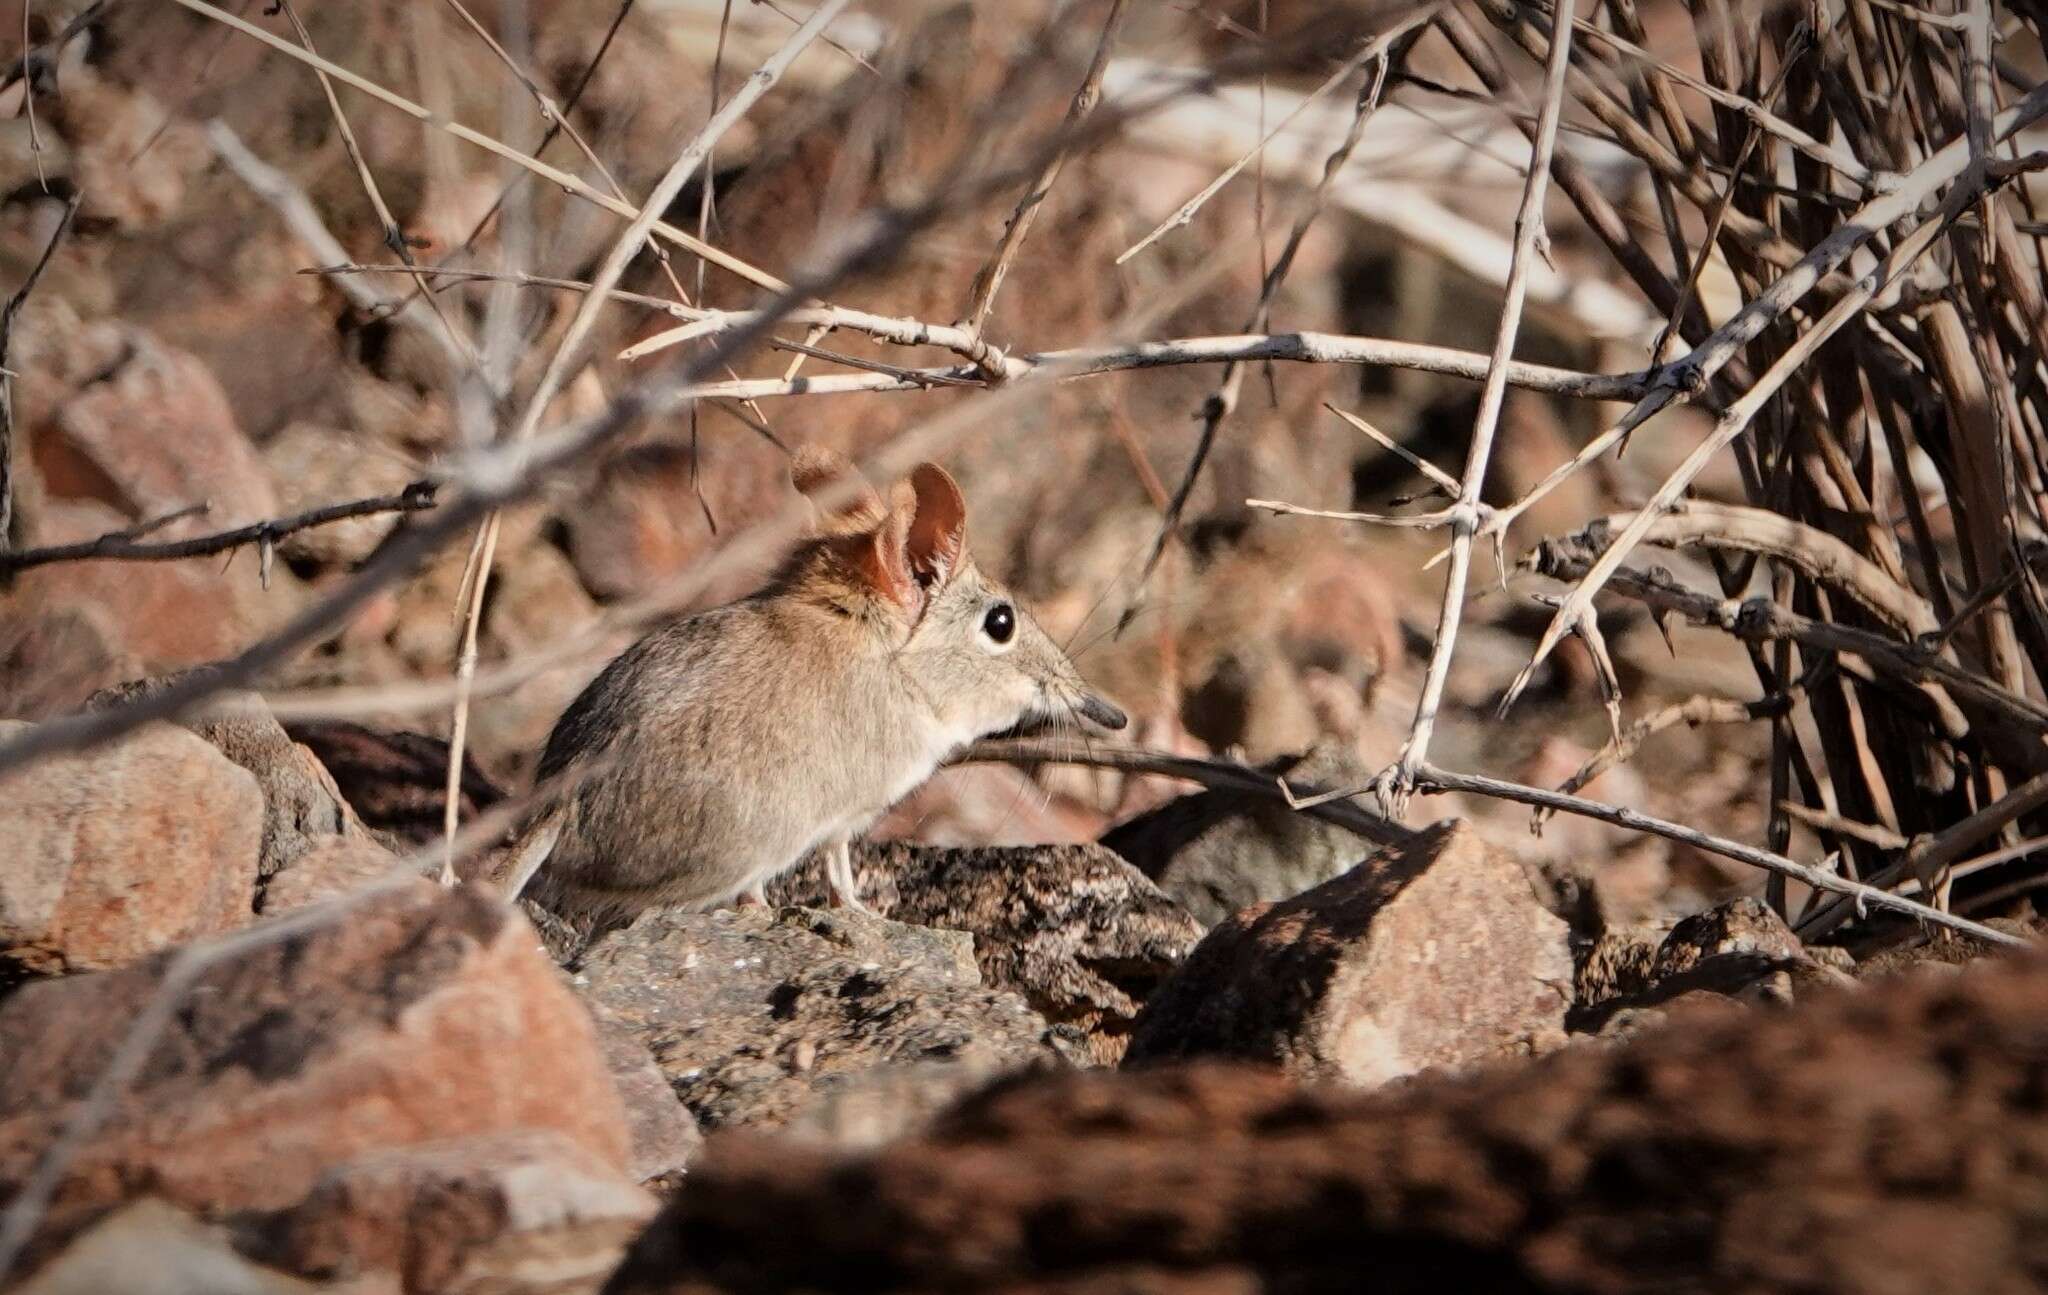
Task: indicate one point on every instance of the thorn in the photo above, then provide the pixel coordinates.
(1663, 620)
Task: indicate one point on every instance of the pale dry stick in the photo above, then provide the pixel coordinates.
(1821, 557)
(550, 112)
(1970, 867)
(8, 313)
(28, 104)
(1758, 237)
(569, 183)
(789, 17)
(1711, 239)
(477, 575)
(394, 236)
(547, 136)
(1608, 679)
(1173, 85)
(1947, 22)
(1186, 212)
(1578, 184)
(1233, 776)
(1437, 476)
(1759, 620)
(303, 220)
(1689, 374)
(1821, 821)
(519, 278)
(1731, 425)
(1306, 348)
(648, 215)
(1657, 81)
(1410, 212)
(887, 328)
(1465, 512)
(916, 377)
(1857, 893)
(1410, 521)
(989, 280)
(557, 118)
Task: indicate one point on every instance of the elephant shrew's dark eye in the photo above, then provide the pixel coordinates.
(999, 623)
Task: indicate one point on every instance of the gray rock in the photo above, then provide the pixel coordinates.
(1744, 926)
(1739, 949)
(754, 1013)
(1218, 851)
(664, 1133)
(1433, 953)
(1080, 933)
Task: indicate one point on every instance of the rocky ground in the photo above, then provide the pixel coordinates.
(1100, 1033)
(1035, 1068)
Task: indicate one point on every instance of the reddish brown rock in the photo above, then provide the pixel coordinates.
(315, 466)
(416, 1015)
(52, 659)
(151, 435)
(332, 867)
(664, 1133)
(302, 808)
(1430, 953)
(1871, 1143)
(527, 1211)
(117, 852)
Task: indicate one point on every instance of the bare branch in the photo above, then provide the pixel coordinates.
(1430, 778)
(989, 280)
(1465, 517)
(123, 545)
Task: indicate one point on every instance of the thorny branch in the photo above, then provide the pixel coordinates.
(1336, 807)
(126, 546)
(1398, 782)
